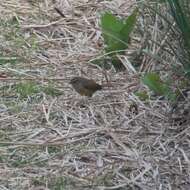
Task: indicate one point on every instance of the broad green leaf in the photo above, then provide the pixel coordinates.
(111, 23)
(116, 31)
(129, 26)
(111, 27)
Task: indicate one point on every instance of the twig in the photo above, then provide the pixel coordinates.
(59, 12)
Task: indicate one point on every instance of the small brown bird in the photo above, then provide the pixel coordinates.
(84, 86)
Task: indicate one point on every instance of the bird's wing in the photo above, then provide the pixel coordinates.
(91, 85)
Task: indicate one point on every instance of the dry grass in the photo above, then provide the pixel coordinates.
(66, 142)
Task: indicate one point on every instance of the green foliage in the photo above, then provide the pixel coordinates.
(26, 89)
(174, 20)
(168, 12)
(111, 27)
(30, 88)
(181, 14)
(11, 60)
(154, 83)
(116, 33)
(51, 90)
(142, 95)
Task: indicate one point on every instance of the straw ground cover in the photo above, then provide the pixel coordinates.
(51, 138)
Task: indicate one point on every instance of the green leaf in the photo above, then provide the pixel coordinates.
(129, 26)
(116, 31)
(111, 23)
(111, 27)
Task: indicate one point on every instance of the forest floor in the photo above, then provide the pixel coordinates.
(51, 137)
